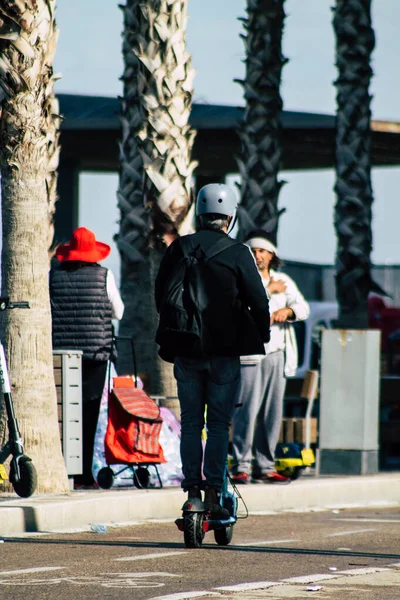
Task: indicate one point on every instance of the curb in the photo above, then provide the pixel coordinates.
(81, 509)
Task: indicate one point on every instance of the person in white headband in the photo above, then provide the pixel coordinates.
(257, 423)
(262, 243)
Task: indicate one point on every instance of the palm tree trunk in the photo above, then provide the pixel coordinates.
(51, 111)
(260, 158)
(156, 169)
(355, 42)
(26, 83)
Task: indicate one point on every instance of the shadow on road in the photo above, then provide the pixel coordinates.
(175, 545)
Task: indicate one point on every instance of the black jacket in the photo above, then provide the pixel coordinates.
(238, 322)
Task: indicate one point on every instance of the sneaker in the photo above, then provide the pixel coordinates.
(270, 477)
(241, 478)
(212, 505)
(194, 492)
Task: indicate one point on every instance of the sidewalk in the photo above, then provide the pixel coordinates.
(77, 510)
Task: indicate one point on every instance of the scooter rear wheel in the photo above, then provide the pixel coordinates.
(193, 533)
(26, 486)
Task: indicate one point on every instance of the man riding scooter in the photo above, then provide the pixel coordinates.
(230, 306)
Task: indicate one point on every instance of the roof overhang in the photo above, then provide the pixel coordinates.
(91, 131)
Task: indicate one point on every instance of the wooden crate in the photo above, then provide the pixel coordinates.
(294, 430)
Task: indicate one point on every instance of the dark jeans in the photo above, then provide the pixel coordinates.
(213, 382)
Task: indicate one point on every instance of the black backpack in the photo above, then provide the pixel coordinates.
(184, 301)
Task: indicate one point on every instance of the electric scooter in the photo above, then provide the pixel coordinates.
(23, 475)
(195, 521)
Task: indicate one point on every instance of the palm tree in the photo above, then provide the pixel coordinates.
(156, 169)
(260, 158)
(355, 42)
(28, 158)
(51, 114)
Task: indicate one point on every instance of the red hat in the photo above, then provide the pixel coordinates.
(83, 246)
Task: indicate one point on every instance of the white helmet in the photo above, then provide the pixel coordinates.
(216, 198)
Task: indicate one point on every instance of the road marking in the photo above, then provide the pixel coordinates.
(365, 571)
(257, 585)
(107, 580)
(185, 595)
(143, 574)
(267, 542)
(138, 580)
(32, 570)
(339, 533)
(309, 578)
(324, 576)
(146, 556)
(369, 520)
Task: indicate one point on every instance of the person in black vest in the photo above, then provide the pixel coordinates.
(84, 300)
(235, 322)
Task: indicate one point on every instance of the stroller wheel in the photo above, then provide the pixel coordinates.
(141, 477)
(105, 478)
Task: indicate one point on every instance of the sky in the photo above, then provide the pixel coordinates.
(89, 59)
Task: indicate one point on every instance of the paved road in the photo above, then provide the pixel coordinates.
(349, 554)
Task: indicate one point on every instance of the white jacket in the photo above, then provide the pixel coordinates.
(283, 336)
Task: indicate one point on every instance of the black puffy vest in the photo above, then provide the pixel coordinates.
(81, 310)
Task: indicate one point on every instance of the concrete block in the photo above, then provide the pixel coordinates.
(351, 462)
(349, 400)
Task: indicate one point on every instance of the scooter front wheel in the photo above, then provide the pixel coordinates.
(223, 536)
(193, 529)
(27, 483)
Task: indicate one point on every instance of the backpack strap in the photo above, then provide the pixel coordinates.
(219, 246)
(222, 244)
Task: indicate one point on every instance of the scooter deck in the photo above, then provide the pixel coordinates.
(209, 524)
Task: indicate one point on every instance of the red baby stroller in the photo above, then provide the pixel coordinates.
(133, 430)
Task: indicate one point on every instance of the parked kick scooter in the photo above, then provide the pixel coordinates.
(22, 471)
(292, 458)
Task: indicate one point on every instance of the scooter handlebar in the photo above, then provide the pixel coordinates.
(6, 303)
(21, 304)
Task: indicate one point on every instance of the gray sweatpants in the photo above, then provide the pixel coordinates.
(256, 424)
